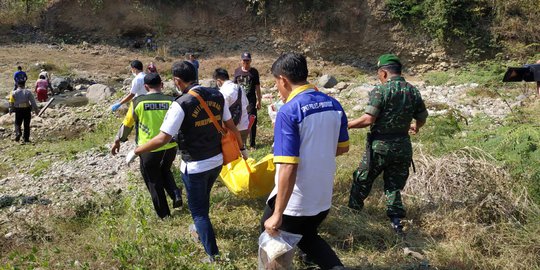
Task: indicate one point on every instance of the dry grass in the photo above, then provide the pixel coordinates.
(464, 212)
(469, 177)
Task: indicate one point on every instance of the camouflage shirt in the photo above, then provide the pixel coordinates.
(394, 104)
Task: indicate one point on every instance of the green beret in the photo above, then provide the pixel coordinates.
(388, 59)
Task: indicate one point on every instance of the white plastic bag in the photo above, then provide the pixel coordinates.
(277, 252)
(273, 110)
(272, 113)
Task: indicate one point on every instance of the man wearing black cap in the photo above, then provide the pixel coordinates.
(391, 108)
(146, 114)
(248, 78)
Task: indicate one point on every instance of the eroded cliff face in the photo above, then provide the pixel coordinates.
(345, 31)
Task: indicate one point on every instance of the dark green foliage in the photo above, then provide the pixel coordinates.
(447, 21)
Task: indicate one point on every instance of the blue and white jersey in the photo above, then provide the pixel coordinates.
(308, 130)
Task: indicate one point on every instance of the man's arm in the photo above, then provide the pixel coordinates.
(341, 150)
(127, 98)
(415, 127)
(420, 116)
(11, 103)
(286, 181)
(33, 103)
(343, 139)
(125, 130)
(160, 140)
(364, 121)
(232, 127)
(259, 96)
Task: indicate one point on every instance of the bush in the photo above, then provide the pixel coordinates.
(479, 25)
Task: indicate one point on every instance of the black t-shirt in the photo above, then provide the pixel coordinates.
(248, 80)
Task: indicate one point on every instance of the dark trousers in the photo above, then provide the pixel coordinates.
(198, 187)
(316, 249)
(156, 171)
(23, 116)
(252, 110)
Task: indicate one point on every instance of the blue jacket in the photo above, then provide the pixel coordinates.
(20, 76)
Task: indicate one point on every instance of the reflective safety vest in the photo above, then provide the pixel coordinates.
(146, 113)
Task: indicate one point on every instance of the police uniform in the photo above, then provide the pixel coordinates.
(21, 101)
(146, 114)
(200, 144)
(388, 148)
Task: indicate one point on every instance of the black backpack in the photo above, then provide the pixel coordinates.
(236, 107)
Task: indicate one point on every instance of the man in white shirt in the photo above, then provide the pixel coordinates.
(237, 100)
(200, 144)
(137, 84)
(310, 130)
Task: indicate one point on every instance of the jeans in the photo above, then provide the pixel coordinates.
(316, 249)
(198, 187)
(156, 171)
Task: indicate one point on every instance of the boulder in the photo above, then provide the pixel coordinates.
(341, 85)
(60, 84)
(98, 93)
(4, 106)
(208, 83)
(329, 91)
(359, 92)
(358, 108)
(327, 81)
(7, 119)
(81, 87)
(75, 101)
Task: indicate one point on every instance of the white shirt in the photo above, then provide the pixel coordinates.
(308, 130)
(137, 85)
(230, 93)
(171, 125)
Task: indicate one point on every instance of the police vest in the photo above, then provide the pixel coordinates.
(198, 138)
(149, 112)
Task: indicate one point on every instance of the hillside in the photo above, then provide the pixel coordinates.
(473, 200)
(423, 32)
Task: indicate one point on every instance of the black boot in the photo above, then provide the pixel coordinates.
(177, 200)
(397, 226)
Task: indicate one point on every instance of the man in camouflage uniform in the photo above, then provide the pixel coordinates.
(391, 108)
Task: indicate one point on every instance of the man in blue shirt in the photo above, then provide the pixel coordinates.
(19, 76)
(310, 130)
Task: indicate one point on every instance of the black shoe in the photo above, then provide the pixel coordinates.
(17, 138)
(397, 226)
(358, 206)
(177, 200)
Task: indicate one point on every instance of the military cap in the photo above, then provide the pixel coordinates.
(388, 59)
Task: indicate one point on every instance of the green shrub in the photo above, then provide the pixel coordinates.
(447, 21)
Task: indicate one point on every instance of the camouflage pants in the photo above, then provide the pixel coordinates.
(395, 169)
